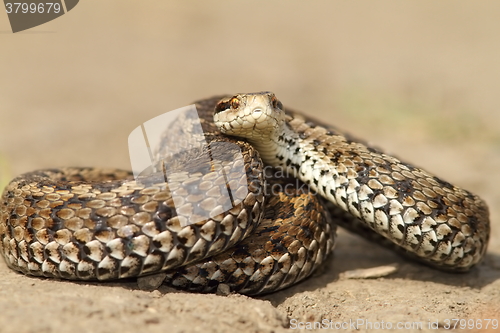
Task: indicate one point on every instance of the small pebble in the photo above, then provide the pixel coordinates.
(151, 282)
(223, 290)
(371, 273)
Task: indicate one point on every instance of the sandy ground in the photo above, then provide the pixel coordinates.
(417, 78)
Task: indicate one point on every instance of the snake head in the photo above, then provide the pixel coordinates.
(254, 116)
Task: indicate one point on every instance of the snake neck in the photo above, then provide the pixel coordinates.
(282, 148)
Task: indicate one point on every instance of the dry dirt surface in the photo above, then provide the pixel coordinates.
(418, 78)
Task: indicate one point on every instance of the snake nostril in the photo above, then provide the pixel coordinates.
(257, 113)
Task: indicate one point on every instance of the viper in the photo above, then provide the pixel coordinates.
(266, 189)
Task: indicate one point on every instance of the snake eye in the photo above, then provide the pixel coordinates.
(234, 103)
(276, 103)
(221, 106)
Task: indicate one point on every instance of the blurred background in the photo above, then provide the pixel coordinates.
(419, 78)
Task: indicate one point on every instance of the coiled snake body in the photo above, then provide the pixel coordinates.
(87, 224)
